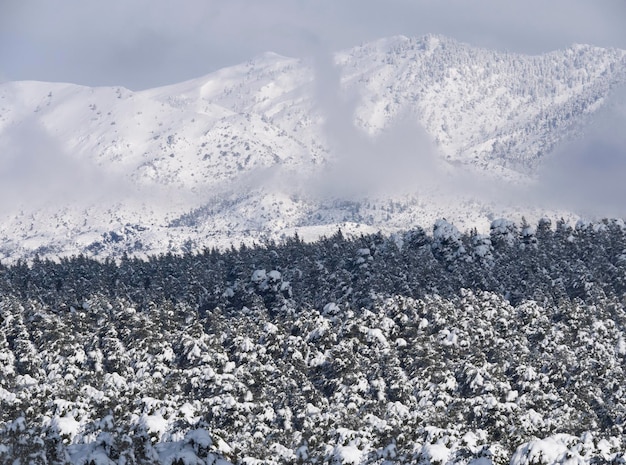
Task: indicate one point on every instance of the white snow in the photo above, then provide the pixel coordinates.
(375, 335)
(259, 276)
(67, 425)
(349, 454)
(6, 396)
(557, 449)
(438, 453)
(154, 423)
(274, 276)
(241, 154)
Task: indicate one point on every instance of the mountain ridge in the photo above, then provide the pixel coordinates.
(276, 132)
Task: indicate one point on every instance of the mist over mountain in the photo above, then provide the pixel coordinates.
(383, 136)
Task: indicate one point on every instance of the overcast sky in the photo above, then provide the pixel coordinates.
(145, 43)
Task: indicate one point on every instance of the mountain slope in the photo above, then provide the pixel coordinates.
(277, 144)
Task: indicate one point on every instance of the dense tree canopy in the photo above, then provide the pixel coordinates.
(416, 348)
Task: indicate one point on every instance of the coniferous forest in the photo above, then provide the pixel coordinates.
(430, 348)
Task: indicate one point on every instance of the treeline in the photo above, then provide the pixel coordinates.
(543, 263)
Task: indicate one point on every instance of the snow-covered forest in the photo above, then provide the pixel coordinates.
(423, 347)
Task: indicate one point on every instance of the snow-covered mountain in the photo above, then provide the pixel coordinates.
(381, 136)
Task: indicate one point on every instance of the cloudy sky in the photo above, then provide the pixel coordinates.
(145, 43)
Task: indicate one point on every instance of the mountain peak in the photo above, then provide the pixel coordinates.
(221, 152)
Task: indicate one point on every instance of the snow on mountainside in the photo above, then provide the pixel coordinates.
(263, 148)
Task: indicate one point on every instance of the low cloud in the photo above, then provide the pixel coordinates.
(588, 175)
(584, 176)
(145, 43)
(400, 159)
(36, 171)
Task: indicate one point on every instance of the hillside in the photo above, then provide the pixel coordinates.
(386, 135)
